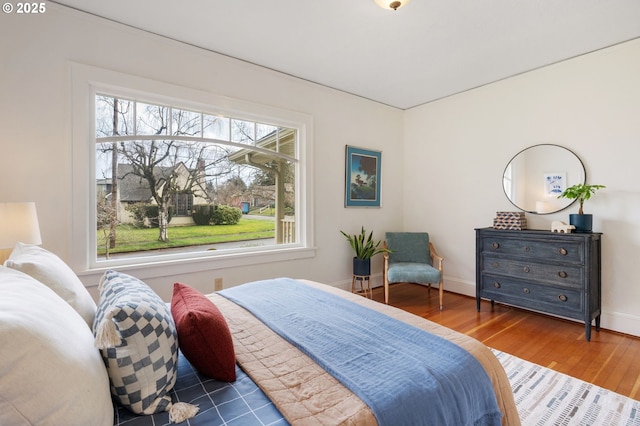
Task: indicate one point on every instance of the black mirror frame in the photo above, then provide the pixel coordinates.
(569, 202)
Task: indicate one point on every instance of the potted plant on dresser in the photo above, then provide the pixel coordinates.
(365, 247)
(583, 222)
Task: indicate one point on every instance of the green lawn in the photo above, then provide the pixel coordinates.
(131, 239)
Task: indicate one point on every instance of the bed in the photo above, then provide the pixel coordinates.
(287, 386)
(299, 352)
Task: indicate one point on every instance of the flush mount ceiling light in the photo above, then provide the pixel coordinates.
(391, 5)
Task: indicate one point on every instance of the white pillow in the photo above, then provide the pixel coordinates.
(50, 270)
(50, 371)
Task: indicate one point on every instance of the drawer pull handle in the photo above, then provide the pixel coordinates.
(526, 269)
(562, 274)
(527, 248)
(495, 264)
(526, 291)
(495, 245)
(562, 298)
(563, 251)
(496, 284)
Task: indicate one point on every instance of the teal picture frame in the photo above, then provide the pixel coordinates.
(363, 169)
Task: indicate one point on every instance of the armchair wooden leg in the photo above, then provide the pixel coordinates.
(441, 295)
(386, 291)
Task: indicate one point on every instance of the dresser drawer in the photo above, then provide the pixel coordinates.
(563, 275)
(558, 251)
(556, 300)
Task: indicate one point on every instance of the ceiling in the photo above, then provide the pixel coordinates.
(426, 50)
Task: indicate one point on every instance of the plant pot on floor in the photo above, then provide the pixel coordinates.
(582, 222)
(361, 266)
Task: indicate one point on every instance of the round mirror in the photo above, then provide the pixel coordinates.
(535, 177)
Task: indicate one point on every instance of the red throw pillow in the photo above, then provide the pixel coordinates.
(203, 334)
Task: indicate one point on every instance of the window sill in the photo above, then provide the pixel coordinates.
(161, 268)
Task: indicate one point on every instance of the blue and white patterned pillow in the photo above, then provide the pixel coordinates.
(138, 341)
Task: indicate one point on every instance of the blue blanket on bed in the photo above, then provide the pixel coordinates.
(406, 375)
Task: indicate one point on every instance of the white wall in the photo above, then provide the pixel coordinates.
(36, 124)
(589, 104)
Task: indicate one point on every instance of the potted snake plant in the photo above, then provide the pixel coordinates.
(582, 192)
(365, 247)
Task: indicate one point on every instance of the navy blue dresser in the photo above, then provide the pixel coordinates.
(553, 273)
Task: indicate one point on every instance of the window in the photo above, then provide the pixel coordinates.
(224, 180)
(174, 176)
(183, 204)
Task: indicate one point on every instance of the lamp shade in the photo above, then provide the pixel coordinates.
(18, 223)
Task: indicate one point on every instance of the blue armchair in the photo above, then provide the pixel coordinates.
(413, 259)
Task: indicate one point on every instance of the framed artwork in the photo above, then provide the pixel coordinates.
(362, 177)
(555, 184)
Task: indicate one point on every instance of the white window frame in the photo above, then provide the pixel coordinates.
(86, 82)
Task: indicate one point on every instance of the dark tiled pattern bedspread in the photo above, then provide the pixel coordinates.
(220, 403)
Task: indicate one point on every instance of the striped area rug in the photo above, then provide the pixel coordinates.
(547, 397)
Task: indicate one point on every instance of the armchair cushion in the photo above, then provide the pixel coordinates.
(412, 247)
(409, 272)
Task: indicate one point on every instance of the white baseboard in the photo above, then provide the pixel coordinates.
(621, 322)
(455, 285)
(375, 279)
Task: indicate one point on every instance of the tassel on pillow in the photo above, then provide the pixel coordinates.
(107, 336)
(181, 411)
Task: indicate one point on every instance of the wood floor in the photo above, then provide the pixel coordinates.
(610, 360)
